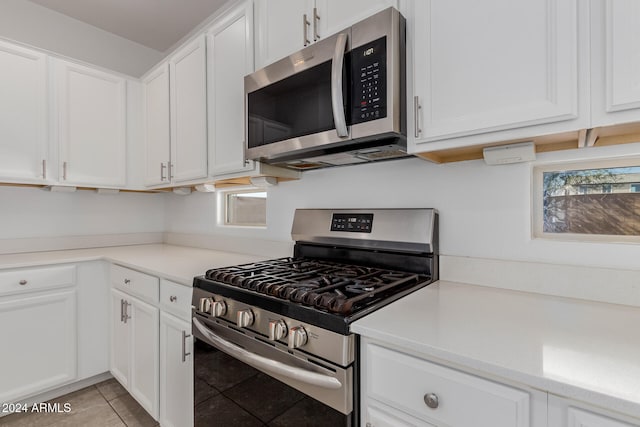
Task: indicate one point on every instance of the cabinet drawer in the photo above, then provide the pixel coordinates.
(457, 399)
(176, 299)
(36, 279)
(135, 283)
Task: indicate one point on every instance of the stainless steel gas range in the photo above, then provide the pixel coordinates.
(289, 318)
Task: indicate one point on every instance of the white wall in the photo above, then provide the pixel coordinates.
(32, 212)
(35, 25)
(484, 210)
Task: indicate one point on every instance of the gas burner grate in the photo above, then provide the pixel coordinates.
(325, 285)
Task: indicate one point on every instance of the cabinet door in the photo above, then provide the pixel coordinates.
(499, 65)
(563, 412)
(156, 125)
(281, 29)
(176, 372)
(230, 58)
(615, 62)
(335, 15)
(39, 343)
(120, 331)
(377, 417)
(23, 114)
(91, 126)
(145, 355)
(189, 112)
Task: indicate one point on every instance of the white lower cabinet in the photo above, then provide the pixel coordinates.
(176, 372)
(567, 413)
(399, 389)
(135, 349)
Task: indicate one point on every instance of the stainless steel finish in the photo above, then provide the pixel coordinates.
(328, 345)
(184, 346)
(127, 281)
(170, 166)
(173, 298)
(431, 400)
(337, 64)
(244, 318)
(64, 171)
(305, 148)
(121, 310)
(297, 337)
(277, 329)
(406, 230)
(305, 25)
(218, 308)
(162, 168)
(22, 282)
(416, 116)
(330, 385)
(44, 169)
(126, 311)
(316, 19)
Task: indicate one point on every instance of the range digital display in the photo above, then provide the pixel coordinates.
(358, 223)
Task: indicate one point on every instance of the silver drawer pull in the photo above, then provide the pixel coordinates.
(127, 281)
(184, 346)
(173, 298)
(23, 282)
(431, 399)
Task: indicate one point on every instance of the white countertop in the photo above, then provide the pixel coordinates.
(176, 263)
(587, 351)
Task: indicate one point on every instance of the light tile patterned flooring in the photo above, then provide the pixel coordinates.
(106, 404)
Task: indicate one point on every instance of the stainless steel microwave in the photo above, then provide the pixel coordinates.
(341, 100)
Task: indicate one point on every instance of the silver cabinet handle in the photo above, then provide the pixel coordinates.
(184, 346)
(416, 116)
(305, 25)
(173, 298)
(22, 282)
(64, 171)
(127, 281)
(431, 399)
(44, 169)
(126, 311)
(121, 310)
(162, 168)
(336, 85)
(171, 167)
(316, 19)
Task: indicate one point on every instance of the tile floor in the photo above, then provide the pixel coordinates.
(106, 404)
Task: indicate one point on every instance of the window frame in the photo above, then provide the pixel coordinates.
(537, 203)
(223, 197)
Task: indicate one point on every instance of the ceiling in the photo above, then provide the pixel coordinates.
(157, 24)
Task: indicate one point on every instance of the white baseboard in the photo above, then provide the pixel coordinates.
(615, 286)
(41, 244)
(245, 245)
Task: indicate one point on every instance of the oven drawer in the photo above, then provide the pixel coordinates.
(441, 395)
(135, 283)
(36, 279)
(176, 299)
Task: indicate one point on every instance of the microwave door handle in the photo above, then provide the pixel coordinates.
(267, 364)
(337, 101)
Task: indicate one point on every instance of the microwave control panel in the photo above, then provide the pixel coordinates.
(369, 95)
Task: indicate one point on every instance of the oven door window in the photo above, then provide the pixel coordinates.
(229, 392)
(296, 106)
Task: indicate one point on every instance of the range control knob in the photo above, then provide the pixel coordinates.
(244, 318)
(297, 337)
(277, 330)
(218, 308)
(205, 305)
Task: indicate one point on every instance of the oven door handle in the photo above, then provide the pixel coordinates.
(266, 364)
(337, 100)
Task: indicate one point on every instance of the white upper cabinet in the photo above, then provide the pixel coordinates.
(230, 58)
(286, 26)
(23, 114)
(91, 124)
(156, 125)
(188, 89)
(615, 61)
(481, 67)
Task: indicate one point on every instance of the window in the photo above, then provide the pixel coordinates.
(589, 201)
(245, 208)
